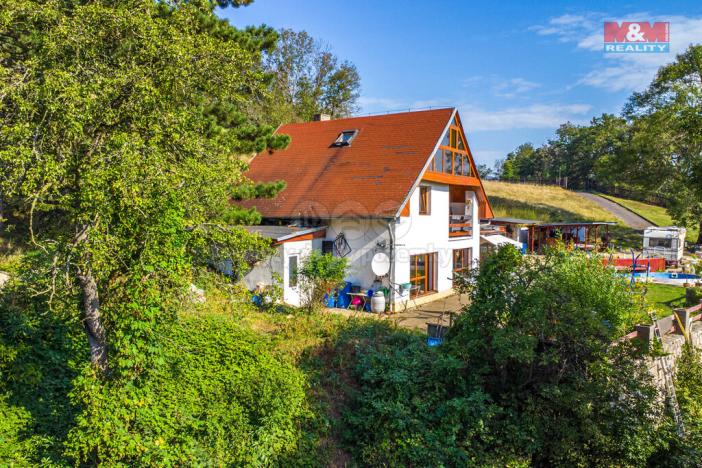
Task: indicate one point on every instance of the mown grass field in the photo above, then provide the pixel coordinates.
(554, 204)
(656, 214)
(665, 297)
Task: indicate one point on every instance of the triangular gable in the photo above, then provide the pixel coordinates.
(452, 163)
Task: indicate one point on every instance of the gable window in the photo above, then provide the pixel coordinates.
(456, 155)
(424, 200)
(345, 138)
(292, 271)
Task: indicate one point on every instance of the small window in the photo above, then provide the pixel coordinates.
(292, 271)
(462, 260)
(460, 146)
(465, 170)
(424, 200)
(439, 161)
(448, 162)
(458, 157)
(658, 242)
(345, 138)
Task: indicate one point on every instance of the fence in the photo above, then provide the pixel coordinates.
(656, 264)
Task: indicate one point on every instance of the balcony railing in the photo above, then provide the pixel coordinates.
(460, 226)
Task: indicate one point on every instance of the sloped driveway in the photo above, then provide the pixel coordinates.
(629, 218)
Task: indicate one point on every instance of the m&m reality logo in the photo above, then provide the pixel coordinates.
(636, 37)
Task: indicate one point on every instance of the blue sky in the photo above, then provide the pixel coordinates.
(515, 69)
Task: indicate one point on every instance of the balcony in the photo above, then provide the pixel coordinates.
(460, 226)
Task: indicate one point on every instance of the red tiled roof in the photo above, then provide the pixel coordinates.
(370, 178)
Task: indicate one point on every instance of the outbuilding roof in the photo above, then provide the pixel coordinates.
(283, 233)
(371, 177)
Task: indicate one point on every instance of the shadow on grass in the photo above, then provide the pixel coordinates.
(38, 355)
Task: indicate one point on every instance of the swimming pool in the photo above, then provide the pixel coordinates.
(666, 277)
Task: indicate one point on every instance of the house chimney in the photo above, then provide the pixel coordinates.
(321, 117)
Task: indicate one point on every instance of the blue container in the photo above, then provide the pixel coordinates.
(434, 341)
(367, 307)
(343, 299)
(329, 300)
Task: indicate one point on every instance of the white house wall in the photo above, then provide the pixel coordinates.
(291, 294)
(414, 234)
(366, 238)
(417, 234)
(264, 271)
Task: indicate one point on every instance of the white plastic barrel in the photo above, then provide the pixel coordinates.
(378, 302)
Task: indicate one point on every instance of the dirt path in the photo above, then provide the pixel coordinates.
(629, 218)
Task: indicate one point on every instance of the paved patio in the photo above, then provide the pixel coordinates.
(417, 317)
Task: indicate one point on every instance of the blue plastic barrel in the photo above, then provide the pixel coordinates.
(343, 300)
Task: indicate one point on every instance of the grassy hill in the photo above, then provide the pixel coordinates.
(542, 202)
(554, 204)
(656, 214)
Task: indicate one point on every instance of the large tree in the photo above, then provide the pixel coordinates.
(120, 126)
(307, 79)
(665, 152)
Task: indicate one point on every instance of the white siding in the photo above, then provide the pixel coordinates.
(364, 237)
(418, 234)
(414, 234)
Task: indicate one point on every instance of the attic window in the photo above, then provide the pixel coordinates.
(345, 138)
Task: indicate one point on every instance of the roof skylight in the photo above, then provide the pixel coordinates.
(345, 138)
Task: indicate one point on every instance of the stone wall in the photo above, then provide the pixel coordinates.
(672, 346)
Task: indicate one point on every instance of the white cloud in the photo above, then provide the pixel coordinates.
(500, 86)
(545, 116)
(514, 87)
(621, 72)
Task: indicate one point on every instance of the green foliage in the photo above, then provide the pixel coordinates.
(687, 450)
(40, 355)
(122, 122)
(218, 397)
(215, 395)
(666, 142)
(307, 79)
(319, 274)
(538, 336)
(413, 405)
(693, 296)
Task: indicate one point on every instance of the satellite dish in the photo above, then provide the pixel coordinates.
(380, 264)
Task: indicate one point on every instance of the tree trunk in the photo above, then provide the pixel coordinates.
(699, 236)
(92, 321)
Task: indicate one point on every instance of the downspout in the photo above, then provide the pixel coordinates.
(391, 231)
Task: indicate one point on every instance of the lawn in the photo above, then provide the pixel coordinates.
(665, 297)
(553, 204)
(655, 214)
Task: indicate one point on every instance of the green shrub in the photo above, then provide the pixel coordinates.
(527, 376)
(217, 398)
(693, 296)
(319, 275)
(686, 450)
(413, 405)
(39, 352)
(537, 337)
